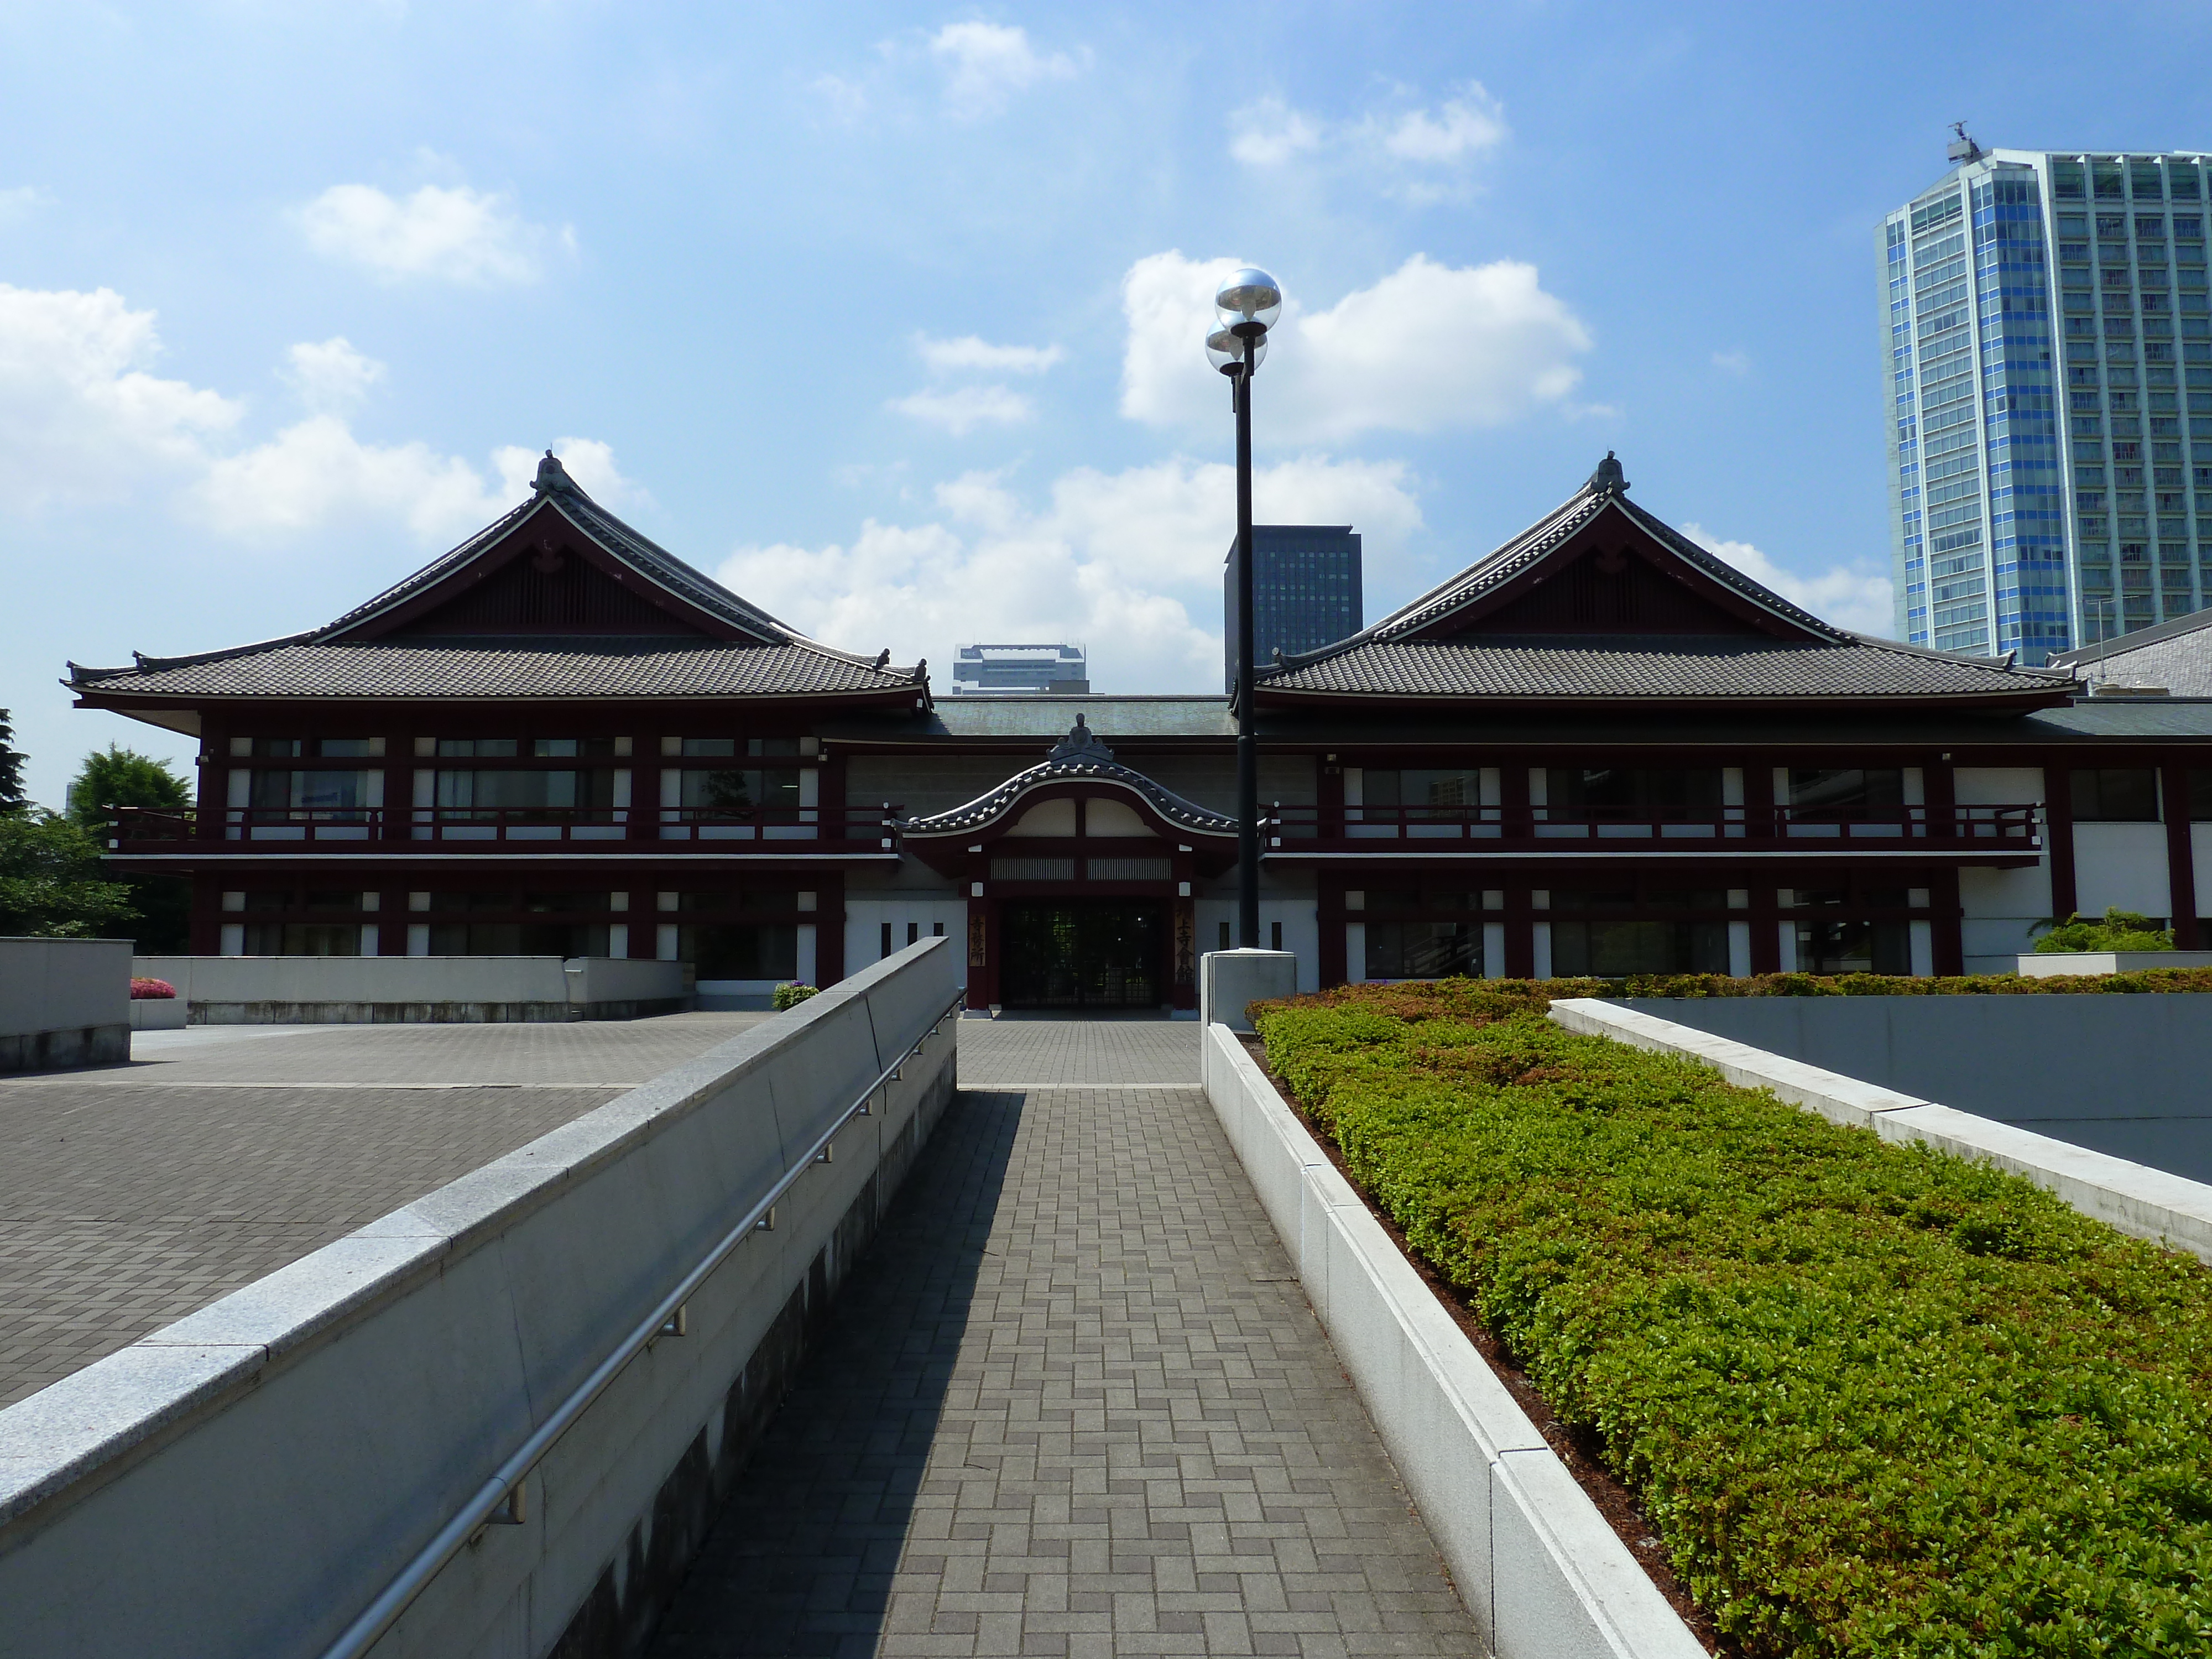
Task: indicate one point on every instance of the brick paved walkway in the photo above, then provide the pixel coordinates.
(1074, 1404)
(131, 1194)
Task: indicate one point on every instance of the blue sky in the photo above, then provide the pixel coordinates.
(888, 315)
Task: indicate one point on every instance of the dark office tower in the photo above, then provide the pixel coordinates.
(1305, 591)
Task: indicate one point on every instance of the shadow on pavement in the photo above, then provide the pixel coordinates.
(800, 1562)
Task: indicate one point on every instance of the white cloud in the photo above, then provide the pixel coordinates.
(1128, 563)
(1463, 126)
(1735, 362)
(79, 415)
(985, 64)
(331, 375)
(458, 235)
(1268, 132)
(318, 469)
(1850, 598)
(968, 351)
(964, 408)
(17, 203)
(844, 101)
(1429, 346)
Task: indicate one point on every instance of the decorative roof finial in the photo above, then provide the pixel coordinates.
(1081, 744)
(1608, 479)
(551, 476)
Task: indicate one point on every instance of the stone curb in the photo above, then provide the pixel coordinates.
(1539, 1568)
(2132, 1198)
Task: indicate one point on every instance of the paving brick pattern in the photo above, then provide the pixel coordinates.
(1075, 1403)
(131, 1196)
(1017, 1052)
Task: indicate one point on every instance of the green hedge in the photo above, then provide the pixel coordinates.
(1876, 1400)
(1897, 985)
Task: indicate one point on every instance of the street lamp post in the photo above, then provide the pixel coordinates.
(1247, 303)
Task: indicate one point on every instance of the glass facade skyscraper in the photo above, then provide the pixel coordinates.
(2050, 377)
(1305, 591)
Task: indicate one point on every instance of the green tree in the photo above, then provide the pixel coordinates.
(11, 769)
(50, 883)
(2120, 929)
(116, 776)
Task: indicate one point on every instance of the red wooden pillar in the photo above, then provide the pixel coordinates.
(1765, 921)
(207, 913)
(1948, 933)
(2180, 856)
(1520, 918)
(2058, 834)
(830, 927)
(1328, 905)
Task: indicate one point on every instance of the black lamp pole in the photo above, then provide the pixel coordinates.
(1247, 303)
(1248, 736)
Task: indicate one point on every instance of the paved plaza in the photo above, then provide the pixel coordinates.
(1075, 1403)
(131, 1195)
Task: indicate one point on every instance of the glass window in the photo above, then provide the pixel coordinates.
(518, 939)
(343, 748)
(742, 789)
(2200, 795)
(518, 790)
(327, 792)
(1413, 787)
(741, 950)
(1846, 788)
(1612, 947)
(493, 748)
(302, 939)
(279, 748)
(710, 745)
(1423, 950)
(1640, 789)
(1847, 945)
(2115, 794)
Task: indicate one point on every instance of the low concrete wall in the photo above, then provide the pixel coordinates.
(2052, 964)
(158, 1013)
(2122, 1075)
(1230, 982)
(63, 1002)
(416, 990)
(1537, 1565)
(246, 1480)
(2133, 1198)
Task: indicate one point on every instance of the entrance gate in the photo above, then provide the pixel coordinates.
(1084, 953)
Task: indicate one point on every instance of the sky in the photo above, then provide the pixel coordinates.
(889, 316)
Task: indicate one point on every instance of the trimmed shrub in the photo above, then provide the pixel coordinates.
(791, 994)
(1874, 1400)
(2119, 930)
(1897, 985)
(151, 990)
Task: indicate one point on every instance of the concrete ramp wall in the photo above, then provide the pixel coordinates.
(63, 1002)
(249, 1479)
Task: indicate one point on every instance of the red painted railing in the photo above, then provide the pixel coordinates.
(1445, 830)
(399, 829)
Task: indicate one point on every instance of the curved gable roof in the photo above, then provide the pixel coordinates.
(1080, 757)
(733, 647)
(1762, 647)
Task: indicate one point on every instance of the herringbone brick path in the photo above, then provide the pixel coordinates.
(1075, 1404)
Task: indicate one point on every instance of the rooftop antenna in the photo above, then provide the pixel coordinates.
(1963, 147)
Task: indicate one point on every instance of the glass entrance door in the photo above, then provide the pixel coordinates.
(1084, 953)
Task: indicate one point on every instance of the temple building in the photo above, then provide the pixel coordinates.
(1597, 749)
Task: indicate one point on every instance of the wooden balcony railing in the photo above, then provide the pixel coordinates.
(399, 829)
(2011, 829)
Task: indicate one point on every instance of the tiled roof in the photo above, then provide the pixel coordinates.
(2176, 655)
(772, 660)
(1079, 755)
(1819, 660)
(595, 667)
(1659, 665)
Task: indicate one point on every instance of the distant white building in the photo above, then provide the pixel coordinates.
(1008, 670)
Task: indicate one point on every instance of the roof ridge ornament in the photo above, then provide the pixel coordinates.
(553, 477)
(1608, 479)
(1081, 744)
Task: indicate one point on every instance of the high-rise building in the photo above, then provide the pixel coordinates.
(1005, 670)
(1305, 591)
(2049, 379)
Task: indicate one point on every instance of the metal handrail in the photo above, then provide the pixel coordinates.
(503, 1491)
